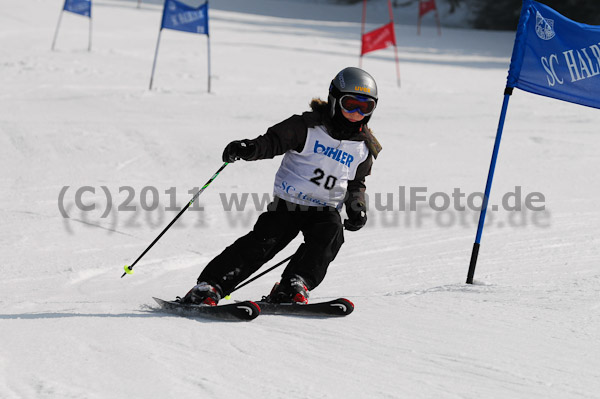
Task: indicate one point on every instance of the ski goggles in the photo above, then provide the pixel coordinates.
(361, 104)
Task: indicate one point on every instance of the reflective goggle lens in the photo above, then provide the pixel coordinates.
(360, 104)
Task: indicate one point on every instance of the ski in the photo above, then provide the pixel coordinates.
(335, 308)
(246, 310)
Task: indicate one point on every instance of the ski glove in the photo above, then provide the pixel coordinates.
(238, 149)
(357, 216)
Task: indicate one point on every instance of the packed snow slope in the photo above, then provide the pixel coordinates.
(80, 130)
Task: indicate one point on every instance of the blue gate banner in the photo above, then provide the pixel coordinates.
(556, 57)
(179, 16)
(81, 7)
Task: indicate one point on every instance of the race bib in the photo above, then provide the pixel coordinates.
(319, 175)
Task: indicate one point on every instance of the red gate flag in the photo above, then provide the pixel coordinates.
(378, 39)
(425, 6)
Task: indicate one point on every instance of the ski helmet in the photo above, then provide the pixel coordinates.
(351, 80)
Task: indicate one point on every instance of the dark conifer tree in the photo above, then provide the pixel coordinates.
(504, 14)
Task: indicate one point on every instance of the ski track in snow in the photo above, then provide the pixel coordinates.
(70, 327)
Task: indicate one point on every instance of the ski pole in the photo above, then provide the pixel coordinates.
(260, 275)
(267, 271)
(129, 269)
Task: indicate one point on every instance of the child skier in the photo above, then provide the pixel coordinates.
(328, 152)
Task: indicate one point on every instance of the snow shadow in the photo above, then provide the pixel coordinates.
(150, 313)
(58, 315)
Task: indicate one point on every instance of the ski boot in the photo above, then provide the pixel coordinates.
(202, 294)
(290, 290)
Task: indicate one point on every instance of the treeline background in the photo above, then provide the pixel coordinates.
(504, 14)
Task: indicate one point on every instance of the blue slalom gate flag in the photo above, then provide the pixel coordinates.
(81, 7)
(553, 56)
(556, 57)
(179, 16)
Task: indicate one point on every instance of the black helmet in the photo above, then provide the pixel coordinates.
(351, 80)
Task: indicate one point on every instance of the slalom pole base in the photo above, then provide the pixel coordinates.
(473, 263)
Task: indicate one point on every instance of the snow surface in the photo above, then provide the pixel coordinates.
(70, 327)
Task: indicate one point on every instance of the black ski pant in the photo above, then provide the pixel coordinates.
(274, 230)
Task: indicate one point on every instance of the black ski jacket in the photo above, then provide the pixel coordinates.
(291, 134)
